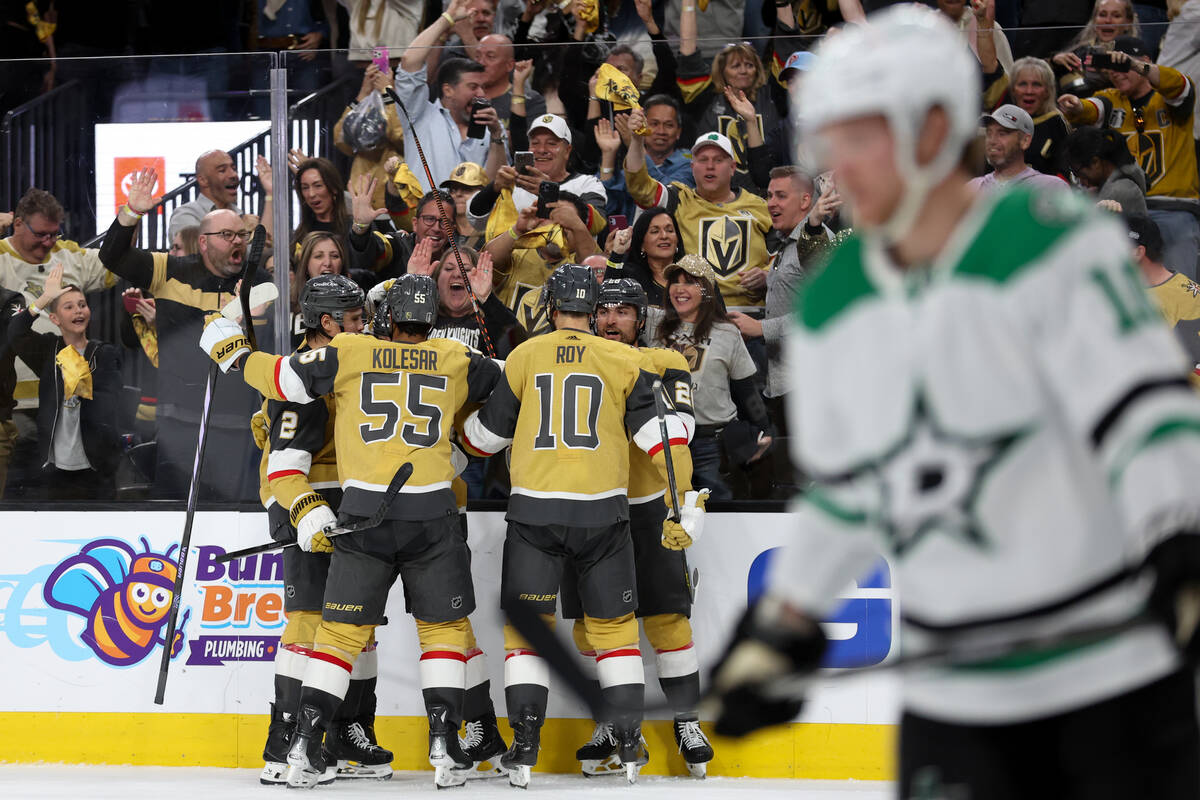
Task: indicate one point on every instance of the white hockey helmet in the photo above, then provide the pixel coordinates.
(901, 63)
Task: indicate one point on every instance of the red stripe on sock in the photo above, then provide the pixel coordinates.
(687, 646)
(474, 653)
(588, 653)
(283, 473)
(299, 649)
(521, 653)
(447, 654)
(633, 652)
(317, 654)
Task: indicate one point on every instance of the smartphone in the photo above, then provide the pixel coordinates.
(475, 129)
(379, 57)
(618, 222)
(523, 160)
(547, 194)
(131, 302)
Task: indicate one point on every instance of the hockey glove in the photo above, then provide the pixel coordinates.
(260, 428)
(1175, 597)
(310, 516)
(675, 536)
(770, 642)
(224, 341)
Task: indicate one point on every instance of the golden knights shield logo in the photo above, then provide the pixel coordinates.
(725, 243)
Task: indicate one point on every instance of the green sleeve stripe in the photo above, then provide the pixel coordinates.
(823, 502)
(1031, 658)
(835, 288)
(1167, 429)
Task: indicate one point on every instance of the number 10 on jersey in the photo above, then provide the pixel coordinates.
(575, 393)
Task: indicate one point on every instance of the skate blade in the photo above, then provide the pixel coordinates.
(607, 766)
(488, 768)
(274, 773)
(631, 771)
(698, 770)
(354, 770)
(518, 776)
(445, 777)
(300, 778)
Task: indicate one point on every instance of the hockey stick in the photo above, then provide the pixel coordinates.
(488, 349)
(249, 266)
(660, 408)
(375, 520)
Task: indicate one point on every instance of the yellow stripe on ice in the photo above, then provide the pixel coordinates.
(812, 751)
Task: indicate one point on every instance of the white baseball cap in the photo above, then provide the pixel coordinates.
(553, 123)
(714, 139)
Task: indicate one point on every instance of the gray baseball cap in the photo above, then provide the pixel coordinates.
(1012, 117)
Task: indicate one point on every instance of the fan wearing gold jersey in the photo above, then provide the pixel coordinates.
(299, 467)
(394, 403)
(663, 584)
(566, 400)
(725, 225)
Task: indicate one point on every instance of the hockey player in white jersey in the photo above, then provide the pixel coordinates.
(982, 391)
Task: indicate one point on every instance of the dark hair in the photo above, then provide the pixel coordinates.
(636, 257)
(452, 70)
(305, 248)
(712, 311)
(664, 100)
(1144, 231)
(39, 201)
(639, 63)
(337, 190)
(447, 200)
(412, 328)
(796, 174)
(66, 288)
(1087, 143)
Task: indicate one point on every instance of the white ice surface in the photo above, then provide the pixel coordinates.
(57, 782)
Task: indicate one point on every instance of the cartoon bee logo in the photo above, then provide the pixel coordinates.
(124, 595)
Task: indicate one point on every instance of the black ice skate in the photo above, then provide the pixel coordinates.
(523, 754)
(693, 745)
(279, 736)
(482, 743)
(356, 753)
(308, 763)
(599, 755)
(631, 749)
(451, 765)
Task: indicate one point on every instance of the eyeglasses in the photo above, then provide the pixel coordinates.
(48, 236)
(229, 236)
(428, 219)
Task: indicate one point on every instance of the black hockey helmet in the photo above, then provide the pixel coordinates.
(329, 294)
(571, 288)
(413, 299)
(624, 292)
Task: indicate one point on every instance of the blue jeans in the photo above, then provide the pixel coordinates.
(1181, 239)
(706, 466)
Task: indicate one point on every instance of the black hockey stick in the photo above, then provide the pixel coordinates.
(253, 256)
(660, 408)
(375, 520)
(489, 350)
(249, 267)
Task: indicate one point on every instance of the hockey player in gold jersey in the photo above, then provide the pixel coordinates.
(663, 583)
(394, 403)
(299, 464)
(565, 403)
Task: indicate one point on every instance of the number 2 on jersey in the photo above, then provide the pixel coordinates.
(415, 409)
(578, 391)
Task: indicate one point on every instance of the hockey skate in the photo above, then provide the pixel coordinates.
(279, 736)
(482, 743)
(357, 754)
(599, 755)
(451, 765)
(693, 746)
(631, 750)
(523, 754)
(308, 763)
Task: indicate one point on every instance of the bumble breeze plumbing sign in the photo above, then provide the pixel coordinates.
(85, 596)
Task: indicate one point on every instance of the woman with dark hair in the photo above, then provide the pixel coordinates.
(1100, 161)
(645, 253)
(322, 195)
(731, 419)
(320, 253)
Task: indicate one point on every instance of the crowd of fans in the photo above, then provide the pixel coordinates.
(624, 136)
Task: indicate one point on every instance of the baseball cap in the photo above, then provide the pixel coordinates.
(467, 174)
(1144, 231)
(553, 123)
(1131, 45)
(1012, 117)
(714, 139)
(800, 60)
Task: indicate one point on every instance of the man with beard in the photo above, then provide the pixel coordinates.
(186, 289)
(218, 181)
(1008, 133)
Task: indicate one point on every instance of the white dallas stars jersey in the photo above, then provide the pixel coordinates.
(1012, 425)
